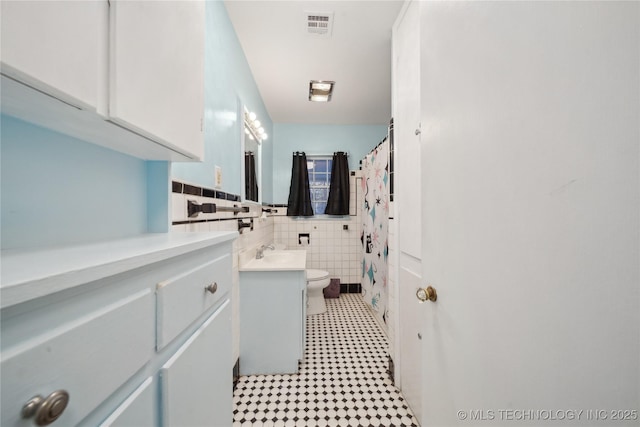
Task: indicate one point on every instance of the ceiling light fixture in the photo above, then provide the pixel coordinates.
(320, 91)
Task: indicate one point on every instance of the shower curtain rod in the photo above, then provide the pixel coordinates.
(379, 144)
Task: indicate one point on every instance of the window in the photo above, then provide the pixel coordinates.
(319, 179)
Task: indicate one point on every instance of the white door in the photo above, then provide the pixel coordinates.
(530, 161)
(406, 111)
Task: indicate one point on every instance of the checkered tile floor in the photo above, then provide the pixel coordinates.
(342, 382)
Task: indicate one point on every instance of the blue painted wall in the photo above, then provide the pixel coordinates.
(229, 85)
(59, 190)
(357, 140)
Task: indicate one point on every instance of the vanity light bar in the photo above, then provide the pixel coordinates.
(253, 127)
(320, 90)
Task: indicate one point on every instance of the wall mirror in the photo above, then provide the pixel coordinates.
(252, 138)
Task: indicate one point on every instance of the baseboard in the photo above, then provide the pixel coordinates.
(236, 373)
(391, 370)
(350, 288)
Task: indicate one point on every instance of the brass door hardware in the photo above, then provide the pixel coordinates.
(428, 293)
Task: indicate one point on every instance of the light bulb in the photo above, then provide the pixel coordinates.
(264, 136)
(261, 130)
(252, 115)
(319, 98)
(257, 123)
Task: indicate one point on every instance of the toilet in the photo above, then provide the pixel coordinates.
(317, 280)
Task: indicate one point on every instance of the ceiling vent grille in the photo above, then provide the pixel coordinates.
(319, 23)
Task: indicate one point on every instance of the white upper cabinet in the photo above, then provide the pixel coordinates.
(157, 70)
(54, 47)
(130, 74)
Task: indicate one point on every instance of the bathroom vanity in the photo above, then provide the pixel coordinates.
(128, 332)
(272, 312)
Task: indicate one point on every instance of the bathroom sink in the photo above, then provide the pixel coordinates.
(279, 257)
(276, 260)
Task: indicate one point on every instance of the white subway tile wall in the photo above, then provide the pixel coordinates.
(331, 247)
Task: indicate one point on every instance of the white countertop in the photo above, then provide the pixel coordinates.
(28, 274)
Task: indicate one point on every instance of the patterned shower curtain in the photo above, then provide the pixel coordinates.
(375, 230)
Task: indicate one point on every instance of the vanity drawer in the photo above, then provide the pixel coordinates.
(83, 356)
(183, 298)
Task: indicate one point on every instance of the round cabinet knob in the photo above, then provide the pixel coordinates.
(418, 132)
(426, 294)
(212, 288)
(46, 410)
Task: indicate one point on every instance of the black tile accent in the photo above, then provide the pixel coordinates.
(193, 190)
(178, 187)
(355, 288)
(344, 288)
(353, 173)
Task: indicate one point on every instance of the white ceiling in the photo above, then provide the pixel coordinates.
(284, 57)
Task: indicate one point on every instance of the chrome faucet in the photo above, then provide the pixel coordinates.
(260, 251)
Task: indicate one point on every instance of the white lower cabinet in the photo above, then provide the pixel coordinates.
(133, 333)
(272, 321)
(188, 398)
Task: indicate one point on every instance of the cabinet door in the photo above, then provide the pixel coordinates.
(157, 71)
(136, 410)
(196, 383)
(56, 47)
